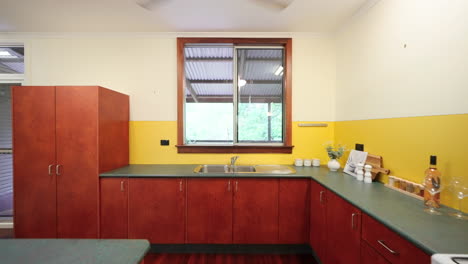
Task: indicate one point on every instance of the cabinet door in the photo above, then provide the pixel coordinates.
(255, 214)
(114, 208)
(209, 211)
(293, 211)
(34, 151)
(157, 210)
(389, 244)
(343, 231)
(318, 219)
(77, 155)
(370, 256)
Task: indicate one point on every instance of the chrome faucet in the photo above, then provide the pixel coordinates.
(233, 160)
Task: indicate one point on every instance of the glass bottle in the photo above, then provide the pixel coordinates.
(432, 187)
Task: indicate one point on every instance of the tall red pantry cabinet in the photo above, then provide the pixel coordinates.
(63, 137)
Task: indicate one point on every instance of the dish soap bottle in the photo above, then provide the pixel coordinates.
(432, 186)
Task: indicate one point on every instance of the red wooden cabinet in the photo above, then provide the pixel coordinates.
(370, 256)
(114, 208)
(389, 244)
(77, 160)
(157, 210)
(343, 231)
(35, 201)
(293, 211)
(58, 133)
(318, 219)
(209, 211)
(255, 211)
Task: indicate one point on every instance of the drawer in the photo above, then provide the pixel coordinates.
(391, 245)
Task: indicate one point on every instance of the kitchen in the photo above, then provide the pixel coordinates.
(387, 74)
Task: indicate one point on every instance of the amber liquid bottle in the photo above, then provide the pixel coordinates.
(432, 185)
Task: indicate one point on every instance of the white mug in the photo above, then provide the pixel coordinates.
(298, 162)
(307, 162)
(316, 162)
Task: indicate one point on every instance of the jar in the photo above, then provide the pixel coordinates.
(298, 162)
(391, 181)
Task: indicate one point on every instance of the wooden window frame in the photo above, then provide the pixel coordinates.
(287, 97)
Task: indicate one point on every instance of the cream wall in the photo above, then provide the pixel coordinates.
(377, 77)
(145, 68)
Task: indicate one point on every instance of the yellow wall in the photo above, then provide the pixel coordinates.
(145, 137)
(406, 144)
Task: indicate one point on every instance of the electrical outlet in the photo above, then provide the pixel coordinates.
(164, 142)
(359, 147)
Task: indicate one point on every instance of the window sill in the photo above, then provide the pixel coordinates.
(234, 149)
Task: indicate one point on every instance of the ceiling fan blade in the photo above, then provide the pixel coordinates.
(149, 4)
(274, 4)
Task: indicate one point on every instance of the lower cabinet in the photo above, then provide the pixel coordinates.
(318, 219)
(293, 211)
(390, 245)
(370, 256)
(157, 210)
(114, 207)
(255, 211)
(209, 211)
(343, 231)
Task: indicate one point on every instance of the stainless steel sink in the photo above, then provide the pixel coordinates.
(256, 169)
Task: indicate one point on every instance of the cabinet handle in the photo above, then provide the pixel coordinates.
(57, 169)
(50, 169)
(352, 220)
(122, 186)
(382, 243)
(321, 197)
(229, 186)
(237, 183)
(180, 185)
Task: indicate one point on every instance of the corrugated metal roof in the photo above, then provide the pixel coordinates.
(264, 54)
(206, 89)
(261, 70)
(261, 90)
(209, 52)
(209, 70)
(210, 67)
(11, 61)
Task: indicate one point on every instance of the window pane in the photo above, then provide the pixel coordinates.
(208, 123)
(209, 114)
(11, 60)
(260, 95)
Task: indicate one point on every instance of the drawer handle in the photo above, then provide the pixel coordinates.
(382, 243)
(353, 226)
(229, 186)
(321, 197)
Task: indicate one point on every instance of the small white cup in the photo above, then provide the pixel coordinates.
(307, 162)
(298, 162)
(316, 162)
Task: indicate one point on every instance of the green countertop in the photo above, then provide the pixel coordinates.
(70, 251)
(399, 212)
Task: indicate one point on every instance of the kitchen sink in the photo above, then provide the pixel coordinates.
(255, 169)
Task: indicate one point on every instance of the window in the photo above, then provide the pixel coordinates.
(234, 95)
(11, 74)
(11, 60)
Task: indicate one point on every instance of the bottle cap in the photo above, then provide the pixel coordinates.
(433, 160)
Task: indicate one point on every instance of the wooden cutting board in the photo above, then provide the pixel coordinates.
(376, 162)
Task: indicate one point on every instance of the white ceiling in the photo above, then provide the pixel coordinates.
(173, 16)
